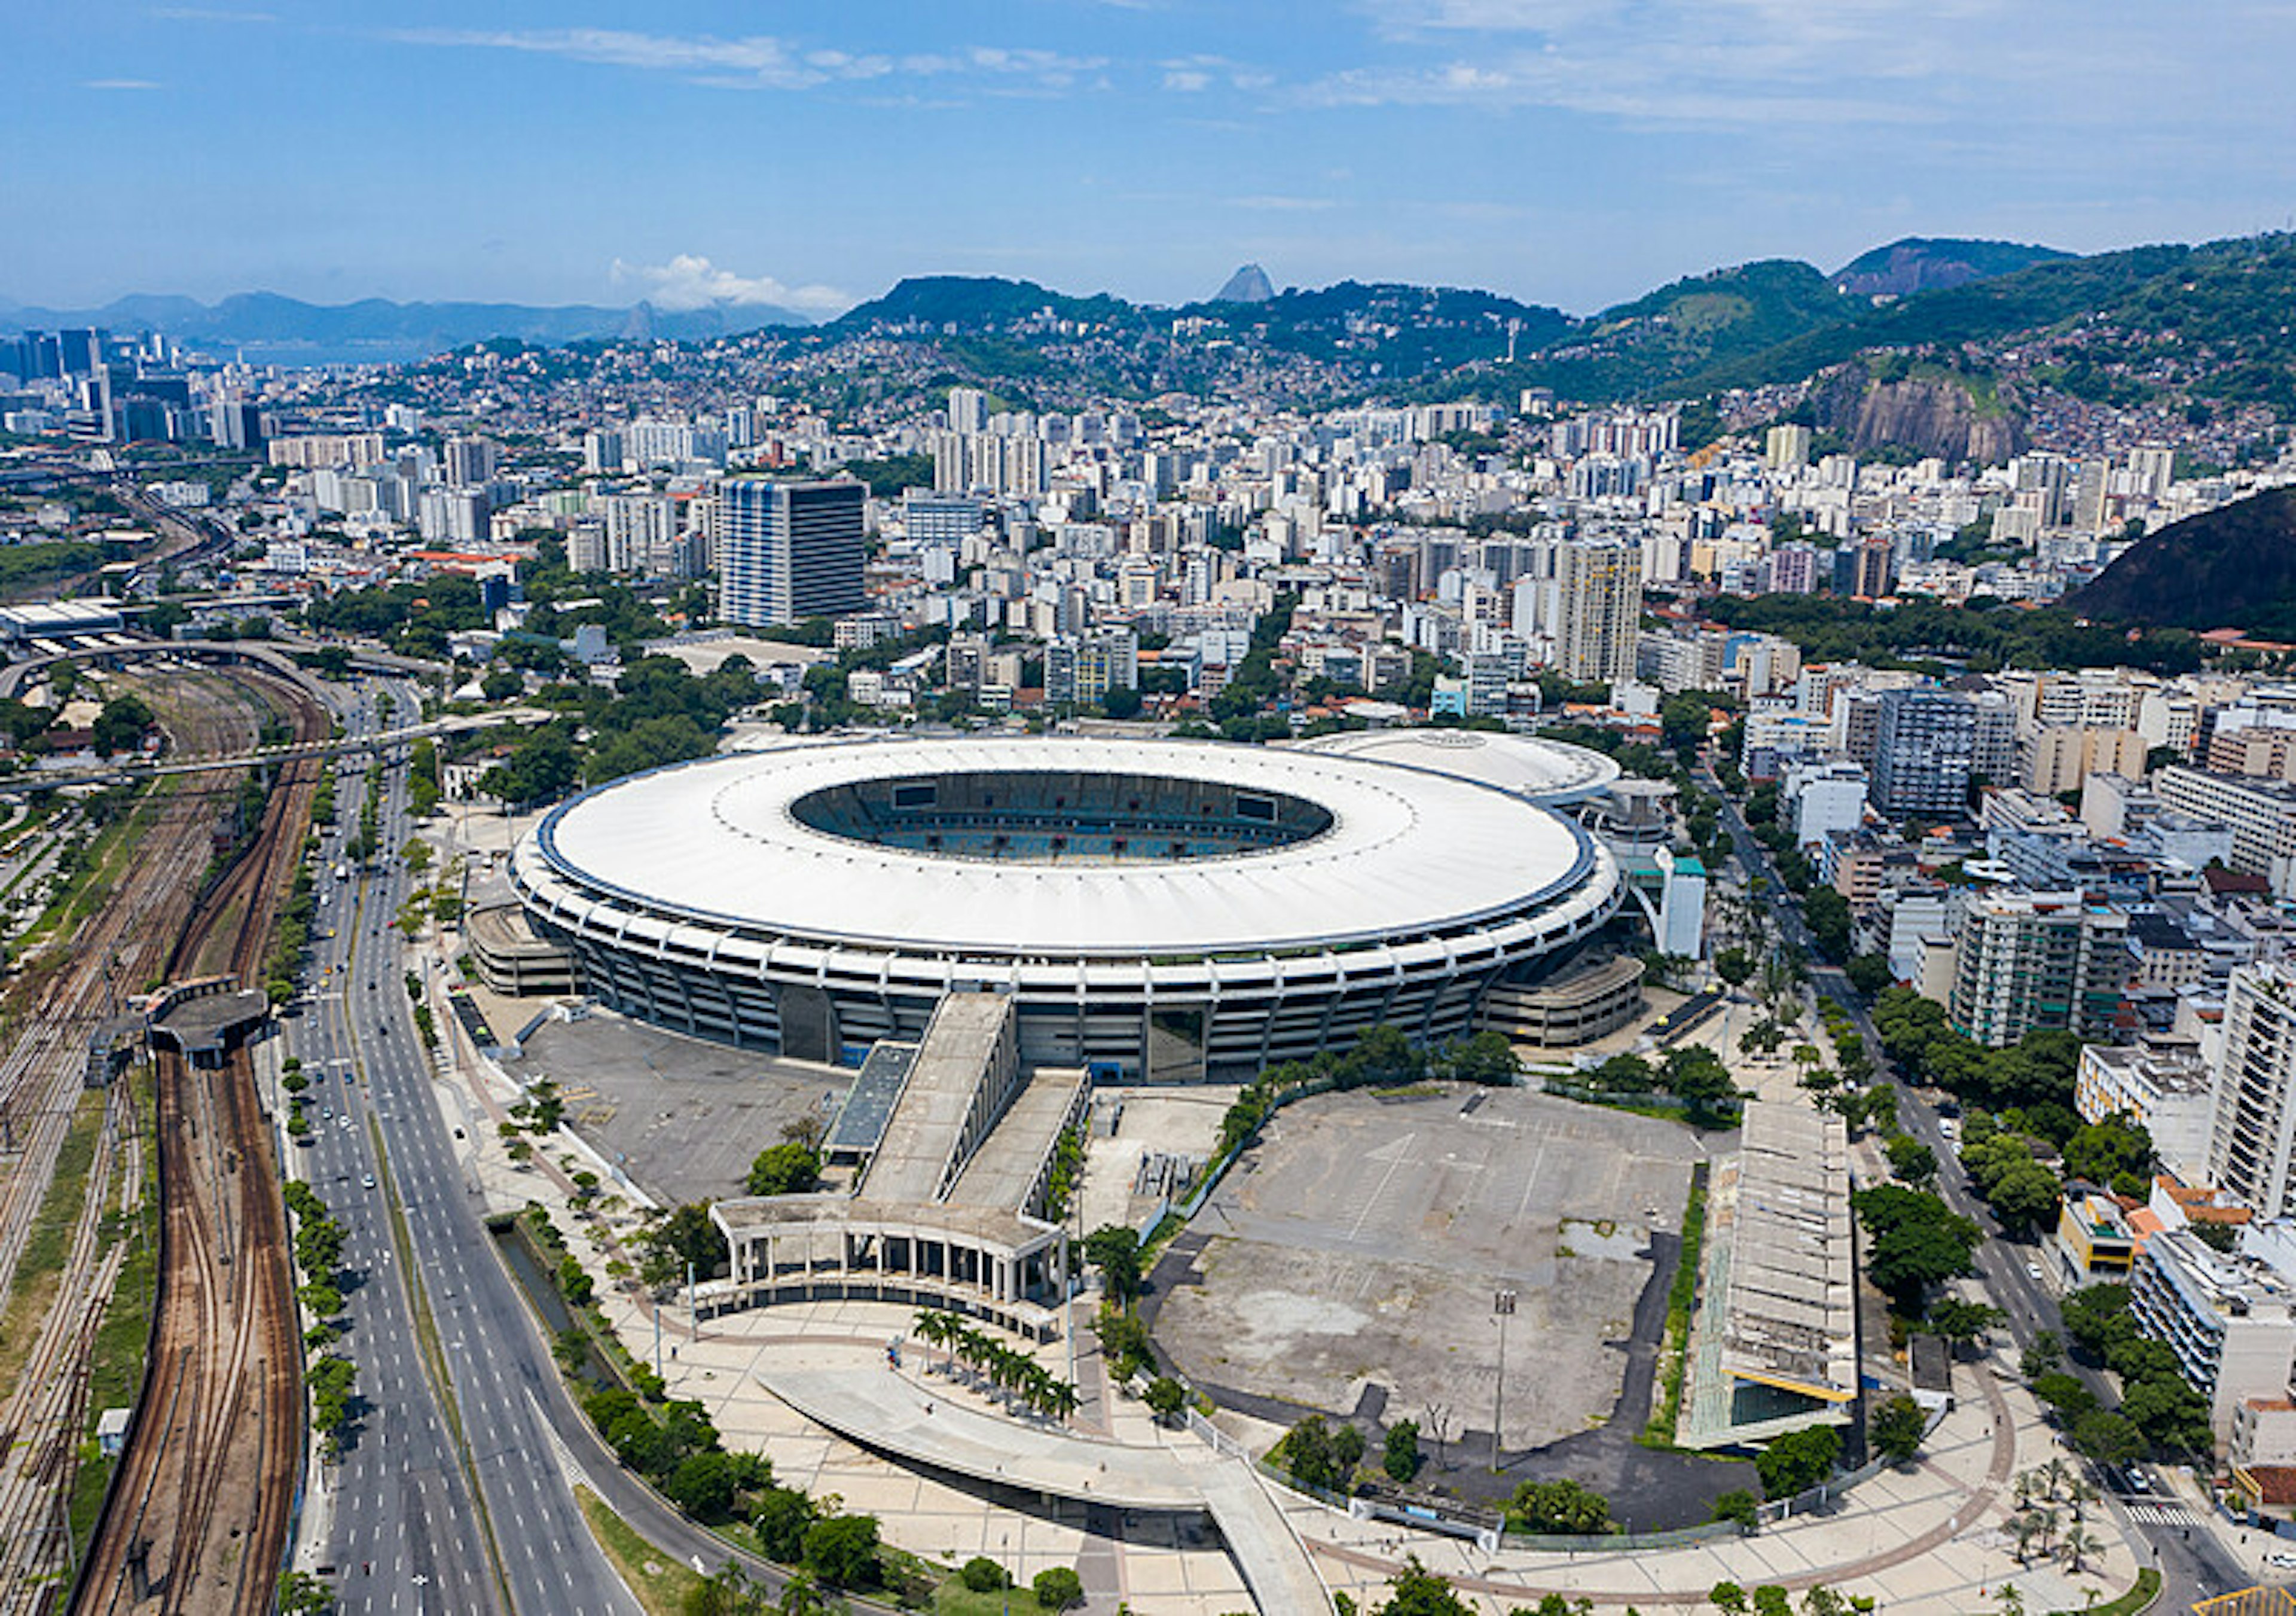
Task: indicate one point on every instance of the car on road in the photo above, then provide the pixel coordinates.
(368, 1181)
(2283, 1561)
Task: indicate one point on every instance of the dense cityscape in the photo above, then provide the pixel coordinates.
(723, 948)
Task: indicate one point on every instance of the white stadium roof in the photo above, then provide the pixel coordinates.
(716, 843)
(1547, 772)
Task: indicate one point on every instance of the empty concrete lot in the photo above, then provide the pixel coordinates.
(684, 1117)
(1356, 1249)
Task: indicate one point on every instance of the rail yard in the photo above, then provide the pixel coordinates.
(197, 1508)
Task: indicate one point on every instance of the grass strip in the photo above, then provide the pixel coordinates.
(39, 1271)
(1681, 1302)
(661, 1582)
(2136, 1599)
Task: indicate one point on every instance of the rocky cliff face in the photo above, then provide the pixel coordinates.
(1928, 415)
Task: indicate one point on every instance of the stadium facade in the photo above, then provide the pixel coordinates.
(1157, 909)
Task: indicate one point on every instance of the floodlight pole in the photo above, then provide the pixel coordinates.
(1502, 1308)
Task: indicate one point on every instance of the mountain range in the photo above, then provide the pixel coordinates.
(274, 330)
(2154, 323)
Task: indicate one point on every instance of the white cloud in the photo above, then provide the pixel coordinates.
(1283, 204)
(200, 14)
(759, 60)
(689, 280)
(119, 83)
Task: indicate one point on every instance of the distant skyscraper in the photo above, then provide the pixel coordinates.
(788, 551)
(2253, 1152)
(82, 352)
(601, 451)
(968, 410)
(470, 462)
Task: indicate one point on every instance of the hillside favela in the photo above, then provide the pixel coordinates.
(1453, 807)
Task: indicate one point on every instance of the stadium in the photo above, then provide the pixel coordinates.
(1156, 909)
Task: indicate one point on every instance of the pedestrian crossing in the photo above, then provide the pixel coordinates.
(2149, 1514)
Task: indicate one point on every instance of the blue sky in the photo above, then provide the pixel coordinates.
(1571, 151)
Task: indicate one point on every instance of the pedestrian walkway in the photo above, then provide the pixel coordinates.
(849, 1388)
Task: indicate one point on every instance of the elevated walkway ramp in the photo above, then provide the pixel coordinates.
(846, 1388)
(963, 1074)
(1003, 1174)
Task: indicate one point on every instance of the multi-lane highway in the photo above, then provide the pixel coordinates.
(2193, 1565)
(405, 1535)
(405, 1502)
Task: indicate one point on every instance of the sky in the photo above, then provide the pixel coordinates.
(1574, 153)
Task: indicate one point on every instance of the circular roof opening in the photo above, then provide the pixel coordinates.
(1060, 816)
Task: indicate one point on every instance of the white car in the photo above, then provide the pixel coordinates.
(2033, 1271)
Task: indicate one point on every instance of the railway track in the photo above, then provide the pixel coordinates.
(197, 1514)
(44, 1416)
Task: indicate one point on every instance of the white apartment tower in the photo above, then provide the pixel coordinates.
(2252, 1133)
(1599, 618)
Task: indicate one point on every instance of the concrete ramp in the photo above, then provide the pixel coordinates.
(847, 1388)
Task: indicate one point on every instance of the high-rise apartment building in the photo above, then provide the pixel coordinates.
(470, 462)
(2252, 1128)
(968, 410)
(2025, 962)
(788, 551)
(1080, 670)
(1928, 743)
(1599, 610)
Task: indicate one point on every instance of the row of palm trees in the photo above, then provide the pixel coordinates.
(2037, 1522)
(1015, 1376)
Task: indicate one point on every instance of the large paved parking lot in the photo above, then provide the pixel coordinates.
(1349, 1263)
(684, 1117)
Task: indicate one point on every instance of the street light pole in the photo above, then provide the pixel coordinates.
(1502, 1309)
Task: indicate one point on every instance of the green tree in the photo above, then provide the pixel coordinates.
(1735, 966)
(1916, 1241)
(1560, 1509)
(788, 1168)
(1166, 1397)
(1057, 1587)
(781, 1518)
(983, 1575)
(1897, 1428)
(1400, 1455)
(1869, 974)
(300, 1593)
(1960, 1322)
(1912, 1162)
(1115, 1250)
(704, 1485)
(1799, 1460)
(1416, 1591)
(1740, 1507)
(682, 1236)
(2107, 1437)
(1696, 1076)
(842, 1550)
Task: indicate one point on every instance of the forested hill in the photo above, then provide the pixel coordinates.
(2232, 566)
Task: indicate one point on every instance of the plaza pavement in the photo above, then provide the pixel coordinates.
(1928, 1541)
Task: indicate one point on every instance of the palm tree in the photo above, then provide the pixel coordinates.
(2028, 1483)
(1064, 1399)
(931, 1328)
(2082, 1491)
(2056, 1473)
(2025, 1529)
(2078, 1540)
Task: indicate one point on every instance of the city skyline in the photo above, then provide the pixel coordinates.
(1565, 154)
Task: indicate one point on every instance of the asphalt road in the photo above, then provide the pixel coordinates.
(407, 1509)
(2193, 1566)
